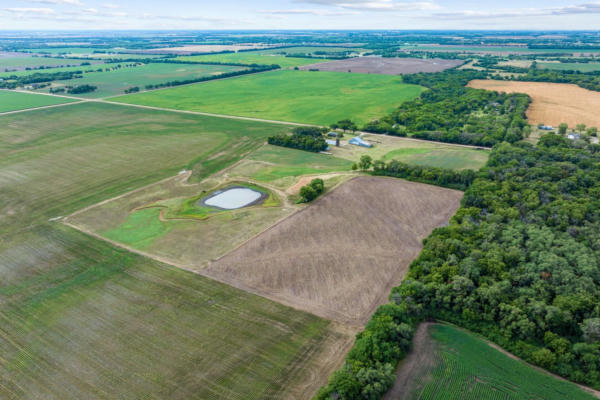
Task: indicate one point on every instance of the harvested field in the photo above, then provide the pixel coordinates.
(384, 65)
(553, 103)
(339, 257)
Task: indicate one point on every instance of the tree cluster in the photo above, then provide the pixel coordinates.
(312, 190)
(303, 138)
(518, 263)
(449, 178)
(451, 112)
(79, 89)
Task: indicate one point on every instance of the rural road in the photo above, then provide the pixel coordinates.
(227, 116)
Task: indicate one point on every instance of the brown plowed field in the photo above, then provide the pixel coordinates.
(385, 65)
(339, 257)
(553, 103)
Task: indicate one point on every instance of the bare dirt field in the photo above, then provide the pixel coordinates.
(553, 103)
(339, 257)
(388, 66)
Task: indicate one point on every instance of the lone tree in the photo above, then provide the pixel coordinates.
(580, 127)
(562, 128)
(365, 162)
(592, 131)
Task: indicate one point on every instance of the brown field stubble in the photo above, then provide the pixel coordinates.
(552, 103)
(339, 257)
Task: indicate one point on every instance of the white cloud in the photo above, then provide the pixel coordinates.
(590, 8)
(110, 6)
(69, 2)
(376, 5)
(318, 12)
(30, 11)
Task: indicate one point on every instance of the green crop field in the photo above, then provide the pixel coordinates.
(11, 101)
(111, 83)
(23, 62)
(253, 57)
(468, 368)
(83, 319)
(583, 67)
(297, 96)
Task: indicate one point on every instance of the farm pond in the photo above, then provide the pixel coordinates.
(233, 198)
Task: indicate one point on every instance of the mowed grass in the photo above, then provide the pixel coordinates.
(111, 83)
(270, 163)
(83, 319)
(583, 67)
(297, 96)
(468, 368)
(414, 152)
(12, 101)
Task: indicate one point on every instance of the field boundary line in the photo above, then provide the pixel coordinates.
(40, 108)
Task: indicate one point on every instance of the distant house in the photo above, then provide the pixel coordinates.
(357, 141)
(546, 127)
(573, 136)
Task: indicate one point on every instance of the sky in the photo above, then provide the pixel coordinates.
(299, 14)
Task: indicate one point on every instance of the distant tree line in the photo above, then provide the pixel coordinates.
(519, 263)
(212, 77)
(81, 89)
(303, 138)
(451, 112)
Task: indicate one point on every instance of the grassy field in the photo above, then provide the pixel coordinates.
(23, 62)
(297, 96)
(462, 366)
(583, 67)
(413, 152)
(280, 166)
(253, 57)
(113, 83)
(12, 101)
(83, 319)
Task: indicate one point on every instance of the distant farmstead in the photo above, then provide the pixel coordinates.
(357, 141)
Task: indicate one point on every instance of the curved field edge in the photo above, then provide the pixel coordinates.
(447, 362)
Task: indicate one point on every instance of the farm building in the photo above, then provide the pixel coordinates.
(546, 127)
(573, 136)
(357, 141)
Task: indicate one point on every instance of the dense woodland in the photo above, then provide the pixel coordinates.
(518, 263)
(451, 112)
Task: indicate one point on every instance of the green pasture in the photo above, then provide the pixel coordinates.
(582, 67)
(83, 319)
(414, 152)
(23, 62)
(468, 368)
(111, 83)
(253, 57)
(12, 101)
(270, 163)
(298, 96)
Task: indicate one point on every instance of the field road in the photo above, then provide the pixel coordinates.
(227, 116)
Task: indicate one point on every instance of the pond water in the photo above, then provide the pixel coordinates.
(233, 198)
